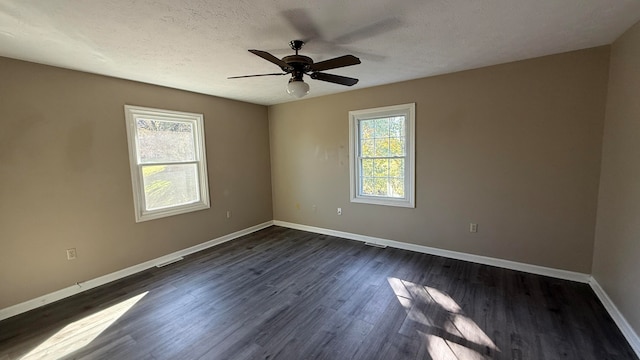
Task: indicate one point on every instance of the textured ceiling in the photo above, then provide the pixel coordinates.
(196, 44)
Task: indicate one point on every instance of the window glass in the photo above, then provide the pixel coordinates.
(165, 141)
(381, 144)
(168, 165)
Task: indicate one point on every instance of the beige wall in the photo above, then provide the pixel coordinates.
(617, 249)
(514, 147)
(65, 182)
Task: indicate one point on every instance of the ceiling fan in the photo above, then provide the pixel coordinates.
(298, 65)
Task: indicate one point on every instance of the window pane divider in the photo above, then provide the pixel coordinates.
(170, 163)
(381, 157)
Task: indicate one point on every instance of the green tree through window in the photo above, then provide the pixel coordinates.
(381, 148)
(382, 156)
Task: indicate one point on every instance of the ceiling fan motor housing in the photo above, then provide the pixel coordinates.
(299, 64)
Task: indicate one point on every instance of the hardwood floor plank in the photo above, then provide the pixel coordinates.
(288, 294)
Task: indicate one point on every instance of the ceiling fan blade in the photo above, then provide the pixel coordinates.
(302, 22)
(346, 60)
(336, 79)
(246, 76)
(265, 55)
(369, 31)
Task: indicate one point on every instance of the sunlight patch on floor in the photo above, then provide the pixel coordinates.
(415, 298)
(469, 330)
(443, 300)
(442, 349)
(80, 333)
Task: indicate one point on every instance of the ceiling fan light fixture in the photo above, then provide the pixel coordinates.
(298, 65)
(297, 88)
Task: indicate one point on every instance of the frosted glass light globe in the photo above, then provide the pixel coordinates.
(297, 88)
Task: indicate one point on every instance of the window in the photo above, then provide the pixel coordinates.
(168, 164)
(381, 149)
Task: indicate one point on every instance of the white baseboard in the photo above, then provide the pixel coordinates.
(90, 284)
(626, 329)
(507, 264)
(613, 311)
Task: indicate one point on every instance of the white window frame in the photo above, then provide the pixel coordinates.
(132, 113)
(407, 110)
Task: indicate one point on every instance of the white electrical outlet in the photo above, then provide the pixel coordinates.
(71, 254)
(228, 214)
(473, 227)
(315, 208)
(339, 211)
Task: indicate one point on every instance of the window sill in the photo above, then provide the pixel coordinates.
(384, 201)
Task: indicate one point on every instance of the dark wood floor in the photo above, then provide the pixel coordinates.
(288, 294)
